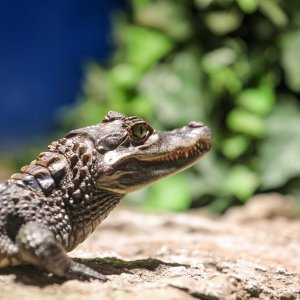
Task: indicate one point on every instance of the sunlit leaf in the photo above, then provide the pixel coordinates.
(240, 120)
(248, 6)
(259, 101)
(167, 17)
(235, 146)
(223, 22)
(274, 12)
(124, 75)
(218, 58)
(171, 194)
(241, 182)
(140, 3)
(145, 46)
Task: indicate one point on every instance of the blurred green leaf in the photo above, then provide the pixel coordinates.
(241, 182)
(171, 194)
(274, 12)
(225, 79)
(291, 59)
(223, 22)
(140, 3)
(248, 6)
(124, 75)
(218, 58)
(145, 47)
(170, 19)
(240, 120)
(235, 146)
(279, 152)
(259, 101)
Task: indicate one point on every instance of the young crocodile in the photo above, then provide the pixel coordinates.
(53, 204)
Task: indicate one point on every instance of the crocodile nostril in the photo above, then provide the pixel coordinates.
(196, 124)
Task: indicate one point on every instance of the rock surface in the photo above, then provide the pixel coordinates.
(252, 252)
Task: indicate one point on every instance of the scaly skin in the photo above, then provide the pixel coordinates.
(56, 201)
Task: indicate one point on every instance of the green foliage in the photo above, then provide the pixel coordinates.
(171, 194)
(144, 46)
(281, 146)
(241, 182)
(290, 59)
(219, 61)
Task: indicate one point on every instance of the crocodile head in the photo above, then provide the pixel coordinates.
(134, 155)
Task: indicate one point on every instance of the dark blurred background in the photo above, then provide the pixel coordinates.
(233, 64)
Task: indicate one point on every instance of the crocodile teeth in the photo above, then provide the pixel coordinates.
(196, 150)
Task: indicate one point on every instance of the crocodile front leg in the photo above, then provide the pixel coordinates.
(38, 246)
(8, 252)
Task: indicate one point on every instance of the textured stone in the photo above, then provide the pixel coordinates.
(176, 256)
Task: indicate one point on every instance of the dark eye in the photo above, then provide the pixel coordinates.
(140, 131)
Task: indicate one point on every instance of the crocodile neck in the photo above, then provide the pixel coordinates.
(66, 175)
(86, 213)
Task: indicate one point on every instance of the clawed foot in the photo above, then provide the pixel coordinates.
(82, 272)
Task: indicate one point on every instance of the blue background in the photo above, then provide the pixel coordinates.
(43, 48)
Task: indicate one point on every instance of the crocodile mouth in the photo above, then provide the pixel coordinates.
(196, 151)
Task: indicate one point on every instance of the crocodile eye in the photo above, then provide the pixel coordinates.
(140, 130)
